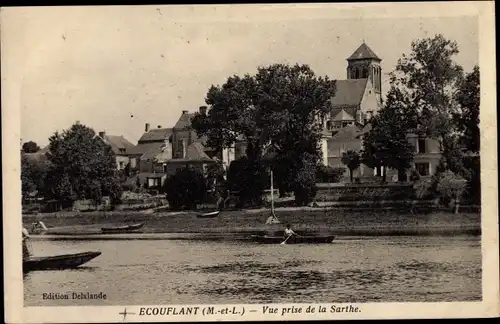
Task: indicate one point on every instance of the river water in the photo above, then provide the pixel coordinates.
(357, 269)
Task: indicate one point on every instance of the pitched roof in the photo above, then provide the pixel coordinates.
(184, 121)
(118, 143)
(343, 115)
(348, 132)
(196, 151)
(149, 150)
(349, 93)
(156, 135)
(363, 52)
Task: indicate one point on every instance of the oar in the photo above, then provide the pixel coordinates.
(286, 239)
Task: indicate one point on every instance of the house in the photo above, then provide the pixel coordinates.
(153, 142)
(184, 135)
(121, 147)
(162, 151)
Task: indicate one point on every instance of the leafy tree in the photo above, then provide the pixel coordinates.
(467, 123)
(30, 147)
(429, 78)
(351, 160)
(467, 118)
(248, 178)
(82, 166)
(27, 181)
(185, 188)
(33, 173)
(386, 144)
(281, 104)
(305, 184)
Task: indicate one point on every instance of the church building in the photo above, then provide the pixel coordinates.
(356, 100)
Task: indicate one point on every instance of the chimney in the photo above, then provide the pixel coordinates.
(203, 110)
(146, 128)
(184, 112)
(159, 126)
(102, 134)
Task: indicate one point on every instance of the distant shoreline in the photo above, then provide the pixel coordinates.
(303, 220)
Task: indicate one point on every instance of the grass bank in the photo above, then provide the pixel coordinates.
(303, 220)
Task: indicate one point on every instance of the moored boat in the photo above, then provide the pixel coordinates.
(122, 229)
(65, 261)
(209, 215)
(311, 239)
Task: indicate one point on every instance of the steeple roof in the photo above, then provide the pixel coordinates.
(362, 53)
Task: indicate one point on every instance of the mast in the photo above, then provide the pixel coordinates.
(272, 193)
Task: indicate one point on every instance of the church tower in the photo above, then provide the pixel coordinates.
(365, 64)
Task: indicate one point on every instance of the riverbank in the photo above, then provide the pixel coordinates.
(303, 220)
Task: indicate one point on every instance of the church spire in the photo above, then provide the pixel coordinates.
(363, 52)
(365, 64)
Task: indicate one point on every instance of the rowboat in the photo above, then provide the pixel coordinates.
(65, 261)
(312, 239)
(122, 229)
(209, 215)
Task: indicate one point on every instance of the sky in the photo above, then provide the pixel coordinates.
(116, 68)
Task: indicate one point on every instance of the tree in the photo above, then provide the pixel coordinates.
(467, 117)
(467, 123)
(351, 160)
(30, 147)
(33, 174)
(429, 78)
(185, 188)
(27, 181)
(305, 184)
(248, 178)
(386, 144)
(281, 104)
(82, 166)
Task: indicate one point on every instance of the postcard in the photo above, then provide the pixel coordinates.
(249, 162)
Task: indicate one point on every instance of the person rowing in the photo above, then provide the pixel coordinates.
(288, 231)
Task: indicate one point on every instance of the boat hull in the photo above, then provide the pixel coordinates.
(65, 261)
(122, 229)
(209, 215)
(294, 239)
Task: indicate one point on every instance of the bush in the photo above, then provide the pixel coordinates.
(327, 174)
(450, 186)
(185, 189)
(422, 188)
(248, 178)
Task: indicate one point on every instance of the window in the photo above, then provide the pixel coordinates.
(422, 168)
(165, 167)
(122, 150)
(364, 74)
(121, 165)
(328, 125)
(421, 145)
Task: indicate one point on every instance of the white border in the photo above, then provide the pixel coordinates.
(11, 77)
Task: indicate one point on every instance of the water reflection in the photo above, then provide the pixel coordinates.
(394, 269)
